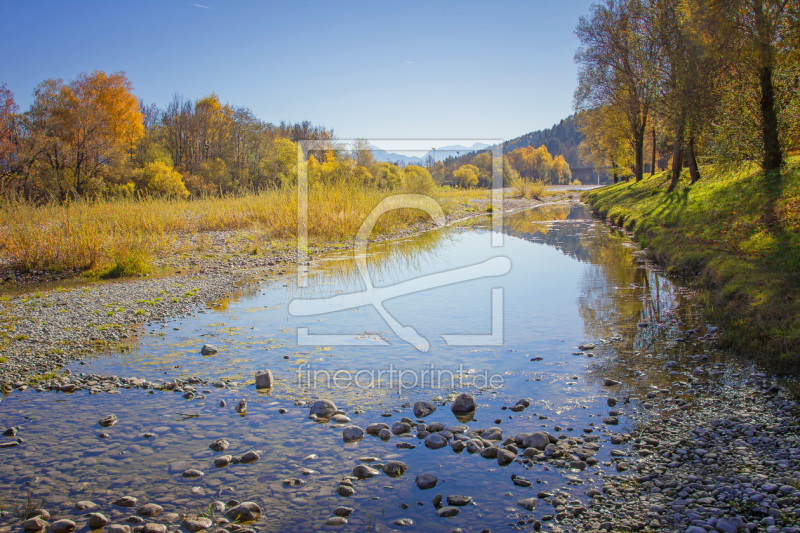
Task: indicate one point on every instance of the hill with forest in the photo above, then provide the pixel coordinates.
(561, 139)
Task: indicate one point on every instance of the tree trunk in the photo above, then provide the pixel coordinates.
(693, 170)
(639, 147)
(677, 156)
(653, 164)
(614, 166)
(773, 156)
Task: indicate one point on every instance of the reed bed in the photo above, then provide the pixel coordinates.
(121, 236)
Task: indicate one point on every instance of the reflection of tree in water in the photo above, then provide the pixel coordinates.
(616, 295)
(399, 256)
(546, 225)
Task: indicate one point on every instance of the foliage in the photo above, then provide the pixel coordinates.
(417, 180)
(467, 176)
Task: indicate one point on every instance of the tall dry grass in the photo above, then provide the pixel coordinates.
(122, 236)
(527, 188)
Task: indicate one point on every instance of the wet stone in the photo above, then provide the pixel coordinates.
(149, 510)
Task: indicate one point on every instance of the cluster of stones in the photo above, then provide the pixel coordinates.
(148, 518)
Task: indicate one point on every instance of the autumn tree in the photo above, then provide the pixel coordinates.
(87, 127)
(8, 111)
(616, 60)
(467, 176)
(757, 34)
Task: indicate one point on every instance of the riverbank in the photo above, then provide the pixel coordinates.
(735, 238)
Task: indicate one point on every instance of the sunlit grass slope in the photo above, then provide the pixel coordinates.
(737, 237)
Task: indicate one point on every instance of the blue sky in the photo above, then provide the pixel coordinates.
(380, 70)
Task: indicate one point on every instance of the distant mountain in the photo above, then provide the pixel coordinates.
(440, 153)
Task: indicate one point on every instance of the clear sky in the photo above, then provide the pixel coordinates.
(399, 70)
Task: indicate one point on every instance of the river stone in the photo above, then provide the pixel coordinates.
(352, 434)
(219, 445)
(434, 441)
(149, 510)
(223, 460)
(474, 445)
(447, 512)
(610, 382)
(374, 429)
(426, 481)
(241, 407)
(336, 521)
(364, 472)
(538, 440)
(62, 526)
(402, 522)
(458, 445)
(587, 346)
(84, 505)
(345, 491)
(244, 512)
(193, 525)
(34, 524)
(154, 528)
(612, 402)
(343, 511)
(385, 434)
(423, 409)
(492, 434)
(118, 528)
(395, 468)
(505, 457)
(192, 473)
(96, 521)
(323, 409)
(264, 379)
(108, 421)
(250, 457)
(611, 420)
(489, 452)
(529, 504)
(126, 501)
(208, 349)
(398, 428)
(464, 404)
(459, 501)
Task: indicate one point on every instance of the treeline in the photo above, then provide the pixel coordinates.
(92, 137)
(679, 82)
(543, 155)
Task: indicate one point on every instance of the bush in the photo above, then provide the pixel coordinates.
(418, 180)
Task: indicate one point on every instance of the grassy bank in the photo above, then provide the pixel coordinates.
(736, 236)
(121, 237)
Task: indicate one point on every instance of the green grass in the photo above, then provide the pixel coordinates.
(736, 237)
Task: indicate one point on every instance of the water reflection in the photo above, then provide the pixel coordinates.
(574, 281)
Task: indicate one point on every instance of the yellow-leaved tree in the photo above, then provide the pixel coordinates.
(161, 179)
(467, 176)
(417, 180)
